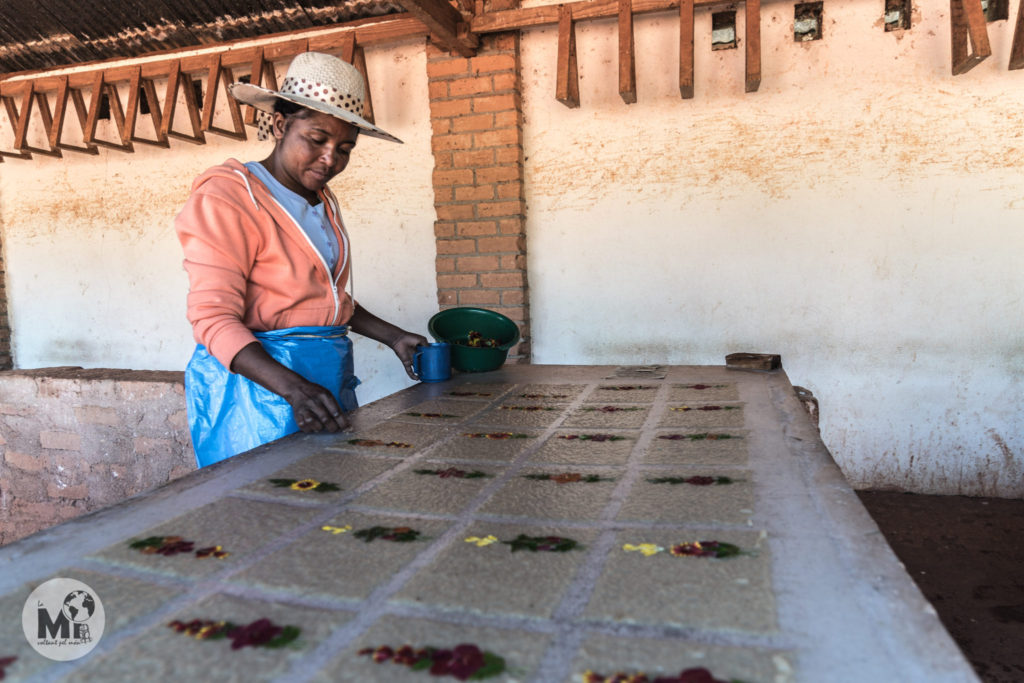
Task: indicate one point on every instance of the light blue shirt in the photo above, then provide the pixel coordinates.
(312, 219)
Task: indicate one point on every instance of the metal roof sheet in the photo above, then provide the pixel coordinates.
(45, 34)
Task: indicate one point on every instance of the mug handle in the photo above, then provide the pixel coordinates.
(416, 356)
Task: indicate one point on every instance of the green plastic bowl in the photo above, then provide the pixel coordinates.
(454, 325)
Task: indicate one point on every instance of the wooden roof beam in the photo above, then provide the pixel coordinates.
(967, 23)
(686, 49)
(627, 53)
(446, 24)
(513, 19)
(1017, 50)
(567, 83)
(752, 13)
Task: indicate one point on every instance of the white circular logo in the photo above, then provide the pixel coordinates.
(63, 619)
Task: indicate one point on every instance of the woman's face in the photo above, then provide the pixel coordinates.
(311, 149)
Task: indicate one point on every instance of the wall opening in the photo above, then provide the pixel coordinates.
(723, 30)
(807, 22)
(897, 15)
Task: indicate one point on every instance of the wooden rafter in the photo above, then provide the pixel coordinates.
(347, 48)
(359, 61)
(752, 12)
(567, 83)
(175, 80)
(686, 49)
(217, 74)
(356, 56)
(25, 96)
(101, 87)
(1017, 49)
(148, 89)
(627, 53)
(446, 24)
(29, 99)
(60, 106)
(582, 10)
(967, 24)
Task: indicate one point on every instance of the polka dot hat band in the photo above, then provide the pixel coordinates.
(317, 81)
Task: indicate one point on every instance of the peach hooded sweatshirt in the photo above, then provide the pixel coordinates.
(250, 265)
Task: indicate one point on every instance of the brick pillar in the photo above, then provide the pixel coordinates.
(476, 114)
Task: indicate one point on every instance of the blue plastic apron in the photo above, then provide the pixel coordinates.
(229, 414)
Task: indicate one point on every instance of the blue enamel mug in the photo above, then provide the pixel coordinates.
(433, 362)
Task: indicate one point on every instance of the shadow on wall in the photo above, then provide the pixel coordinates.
(74, 440)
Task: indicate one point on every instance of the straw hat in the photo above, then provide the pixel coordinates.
(320, 82)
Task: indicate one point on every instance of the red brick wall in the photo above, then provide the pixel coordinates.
(476, 114)
(5, 327)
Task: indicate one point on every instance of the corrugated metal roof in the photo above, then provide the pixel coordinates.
(43, 34)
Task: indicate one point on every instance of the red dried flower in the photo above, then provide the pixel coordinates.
(405, 655)
(696, 549)
(257, 633)
(461, 663)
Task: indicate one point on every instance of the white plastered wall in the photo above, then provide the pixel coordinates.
(94, 267)
(861, 214)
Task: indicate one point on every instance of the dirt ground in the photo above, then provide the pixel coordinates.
(967, 557)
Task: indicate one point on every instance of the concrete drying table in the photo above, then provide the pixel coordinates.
(817, 595)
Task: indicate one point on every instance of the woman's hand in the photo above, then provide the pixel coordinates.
(405, 347)
(313, 406)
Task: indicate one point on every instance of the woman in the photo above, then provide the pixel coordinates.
(268, 261)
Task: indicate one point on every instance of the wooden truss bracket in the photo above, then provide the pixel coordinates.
(139, 87)
(60, 106)
(65, 92)
(752, 13)
(218, 74)
(30, 100)
(1017, 49)
(178, 79)
(354, 54)
(359, 61)
(627, 53)
(19, 121)
(101, 87)
(567, 81)
(686, 49)
(967, 23)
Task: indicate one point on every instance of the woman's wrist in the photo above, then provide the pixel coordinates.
(367, 324)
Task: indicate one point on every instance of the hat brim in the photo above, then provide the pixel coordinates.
(263, 99)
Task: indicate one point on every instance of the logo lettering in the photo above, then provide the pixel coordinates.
(49, 627)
